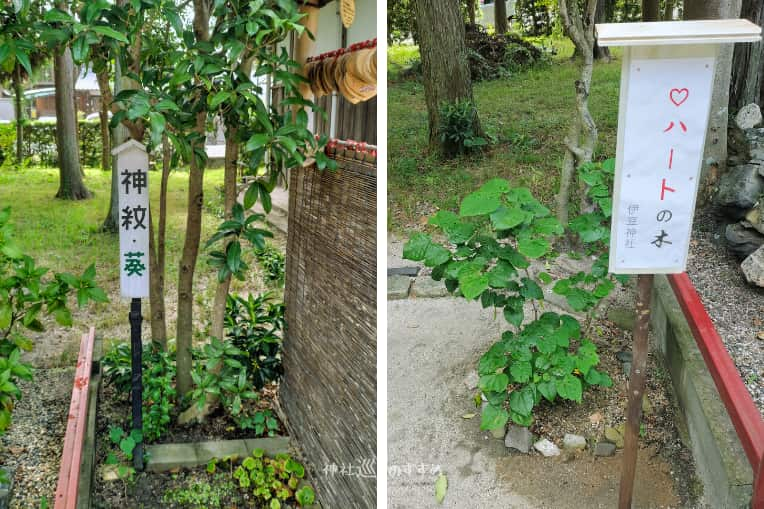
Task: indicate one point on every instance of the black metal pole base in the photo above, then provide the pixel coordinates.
(136, 354)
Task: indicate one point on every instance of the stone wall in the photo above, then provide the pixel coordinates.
(721, 463)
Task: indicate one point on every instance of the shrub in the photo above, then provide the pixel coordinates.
(491, 243)
(254, 325)
(40, 143)
(457, 128)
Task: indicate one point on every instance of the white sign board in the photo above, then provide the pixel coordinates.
(133, 166)
(666, 85)
(667, 101)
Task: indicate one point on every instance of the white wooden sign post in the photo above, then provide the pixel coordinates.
(667, 79)
(133, 170)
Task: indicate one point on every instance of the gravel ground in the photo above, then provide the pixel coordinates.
(736, 308)
(32, 446)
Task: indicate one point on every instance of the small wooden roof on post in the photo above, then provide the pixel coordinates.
(660, 33)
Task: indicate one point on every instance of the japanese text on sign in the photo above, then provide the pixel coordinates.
(132, 164)
(664, 130)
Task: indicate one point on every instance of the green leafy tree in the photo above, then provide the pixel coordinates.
(209, 76)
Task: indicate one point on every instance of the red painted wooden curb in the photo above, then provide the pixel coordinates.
(69, 472)
(742, 410)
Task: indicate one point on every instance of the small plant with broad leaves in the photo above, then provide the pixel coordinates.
(121, 458)
(457, 128)
(262, 422)
(491, 244)
(26, 294)
(219, 373)
(159, 394)
(274, 481)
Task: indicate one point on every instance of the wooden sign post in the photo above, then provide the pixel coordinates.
(133, 168)
(667, 79)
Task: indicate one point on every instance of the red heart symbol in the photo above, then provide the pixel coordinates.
(679, 95)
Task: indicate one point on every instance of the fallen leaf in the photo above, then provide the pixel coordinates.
(441, 485)
(468, 416)
(595, 418)
(760, 335)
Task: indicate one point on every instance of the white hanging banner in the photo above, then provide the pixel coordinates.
(133, 166)
(665, 102)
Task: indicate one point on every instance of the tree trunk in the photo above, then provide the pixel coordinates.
(231, 163)
(715, 154)
(582, 136)
(18, 98)
(445, 68)
(185, 325)
(471, 11)
(103, 83)
(650, 10)
(157, 256)
(71, 185)
(602, 52)
(668, 10)
(745, 84)
(500, 16)
(119, 135)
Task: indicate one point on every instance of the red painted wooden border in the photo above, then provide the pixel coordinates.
(742, 410)
(69, 472)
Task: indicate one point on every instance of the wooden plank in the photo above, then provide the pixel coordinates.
(69, 471)
(657, 33)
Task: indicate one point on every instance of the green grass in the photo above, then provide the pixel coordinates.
(64, 236)
(528, 116)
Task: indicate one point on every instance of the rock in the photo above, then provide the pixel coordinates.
(739, 189)
(571, 441)
(6, 489)
(425, 286)
(755, 216)
(623, 318)
(499, 432)
(519, 438)
(624, 356)
(749, 116)
(742, 241)
(109, 473)
(403, 271)
(574, 265)
(604, 448)
(194, 414)
(546, 448)
(738, 145)
(615, 435)
(753, 267)
(471, 380)
(398, 287)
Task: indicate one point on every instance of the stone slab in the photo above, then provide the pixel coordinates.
(426, 287)
(403, 271)
(398, 287)
(164, 457)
